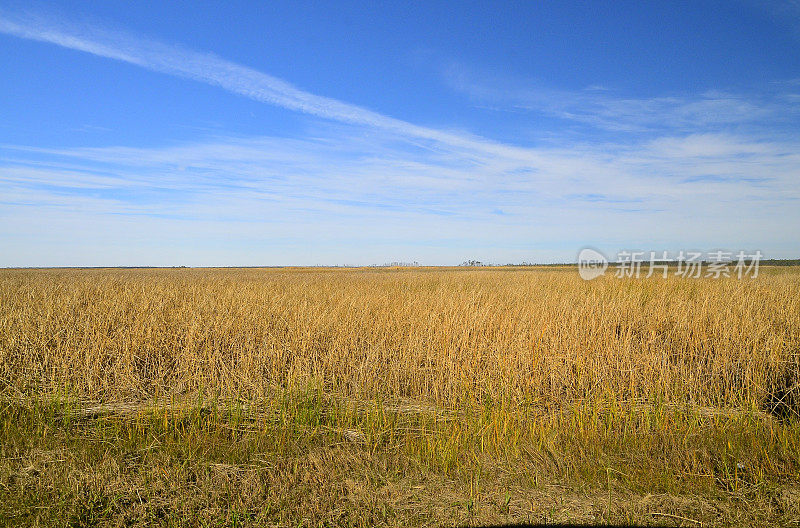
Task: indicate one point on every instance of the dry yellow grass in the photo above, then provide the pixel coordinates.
(444, 337)
(471, 391)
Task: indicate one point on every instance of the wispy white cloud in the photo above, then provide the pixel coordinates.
(600, 107)
(367, 195)
(211, 69)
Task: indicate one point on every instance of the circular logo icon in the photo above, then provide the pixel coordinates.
(591, 264)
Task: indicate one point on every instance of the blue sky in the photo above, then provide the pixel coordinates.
(281, 133)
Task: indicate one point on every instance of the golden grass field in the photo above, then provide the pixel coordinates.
(184, 397)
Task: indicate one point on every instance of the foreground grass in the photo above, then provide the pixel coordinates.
(306, 458)
(363, 398)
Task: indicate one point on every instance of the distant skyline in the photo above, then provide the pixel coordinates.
(329, 133)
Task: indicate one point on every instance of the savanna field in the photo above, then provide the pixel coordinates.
(397, 397)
